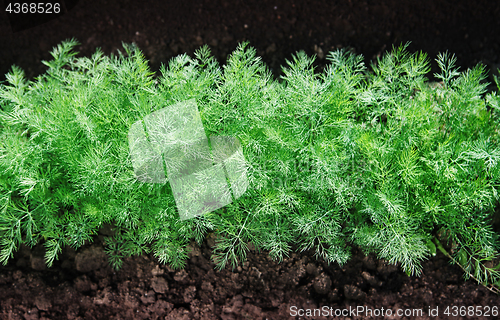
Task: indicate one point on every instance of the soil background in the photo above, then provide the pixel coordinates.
(81, 285)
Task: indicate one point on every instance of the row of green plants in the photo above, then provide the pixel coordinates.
(377, 157)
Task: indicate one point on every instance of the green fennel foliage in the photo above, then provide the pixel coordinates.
(375, 157)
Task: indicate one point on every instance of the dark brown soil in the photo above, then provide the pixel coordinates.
(82, 286)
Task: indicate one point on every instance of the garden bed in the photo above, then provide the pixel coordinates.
(260, 289)
(82, 285)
